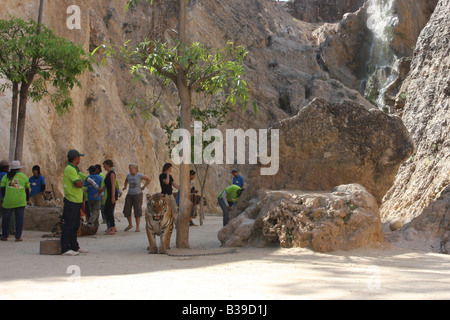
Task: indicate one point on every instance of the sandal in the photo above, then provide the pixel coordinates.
(128, 228)
(111, 232)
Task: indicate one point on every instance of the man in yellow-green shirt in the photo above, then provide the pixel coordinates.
(230, 195)
(73, 201)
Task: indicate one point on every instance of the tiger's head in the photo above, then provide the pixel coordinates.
(157, 206)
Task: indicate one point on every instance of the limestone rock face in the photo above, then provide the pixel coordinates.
(412, 18)
(342, 219)
(427, 116)
(283, 75)
(430, 231)
(329, 144)
(323, 10)
(346, 49)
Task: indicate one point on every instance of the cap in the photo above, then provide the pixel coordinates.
(74, 154)
(234, 170)
(192, 172)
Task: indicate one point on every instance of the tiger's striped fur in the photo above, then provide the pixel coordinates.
(159, 222)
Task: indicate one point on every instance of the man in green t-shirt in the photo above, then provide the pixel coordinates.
(73, 201)
(228, 197)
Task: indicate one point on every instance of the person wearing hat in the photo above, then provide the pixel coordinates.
(238, 179)
(227, 198)
(73, 181)
(15, 190)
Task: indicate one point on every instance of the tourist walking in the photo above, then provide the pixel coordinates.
(73, 182)
(15, 190)
(134, 198)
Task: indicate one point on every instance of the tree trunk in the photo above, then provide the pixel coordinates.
(13, 127)
(202, 202)
(182, 19)
(24, 95)
(41, 9)
(185, 123)
(185, 203)
(22, 119)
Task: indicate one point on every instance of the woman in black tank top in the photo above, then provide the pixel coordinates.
(110, 203)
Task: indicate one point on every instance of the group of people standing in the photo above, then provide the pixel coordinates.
(101, 192)
(98, 187)
(108, 186)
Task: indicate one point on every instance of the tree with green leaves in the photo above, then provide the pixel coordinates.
(32, 58)
(194, 69)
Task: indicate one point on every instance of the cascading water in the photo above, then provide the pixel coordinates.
(383, 63)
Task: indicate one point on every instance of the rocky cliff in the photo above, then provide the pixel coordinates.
(297, 53)
(282, 70)
(420, 184)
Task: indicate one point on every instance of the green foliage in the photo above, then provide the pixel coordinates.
(210, 71)
(211, 118)
(132, 3)
(216, 72)
(40, 58)
(352, 207)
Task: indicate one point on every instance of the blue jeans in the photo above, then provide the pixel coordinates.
(19, 213)
(226, 213)
(71, 217)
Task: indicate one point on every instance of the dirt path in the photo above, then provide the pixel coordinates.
(118, 267)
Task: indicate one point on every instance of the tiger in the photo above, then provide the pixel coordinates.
(85, 229)
(159, 221)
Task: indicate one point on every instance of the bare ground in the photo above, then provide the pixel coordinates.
(118, 267)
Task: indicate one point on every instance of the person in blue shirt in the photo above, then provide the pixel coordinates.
(4, 168)
(94, 203)
(37, 185)
(238, 179)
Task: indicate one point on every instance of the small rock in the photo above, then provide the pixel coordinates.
(395, 225)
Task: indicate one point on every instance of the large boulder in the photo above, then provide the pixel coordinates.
(330, 144)
(342, 219)
(325, 145)
(41, 218)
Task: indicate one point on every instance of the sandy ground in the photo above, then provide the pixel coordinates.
(118, 267)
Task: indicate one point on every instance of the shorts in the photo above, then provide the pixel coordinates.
(133, 201)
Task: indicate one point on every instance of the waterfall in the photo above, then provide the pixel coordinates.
(383, 63)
